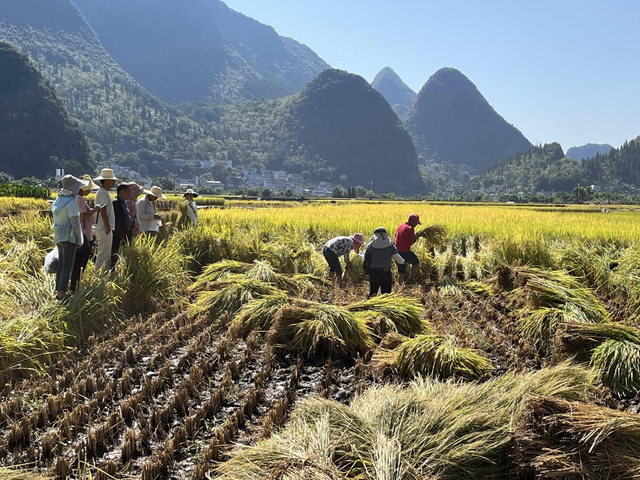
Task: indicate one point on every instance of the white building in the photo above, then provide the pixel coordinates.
(214, 184)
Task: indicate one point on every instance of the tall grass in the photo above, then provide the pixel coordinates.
(444, 430)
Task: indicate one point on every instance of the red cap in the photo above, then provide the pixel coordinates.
(415, 219)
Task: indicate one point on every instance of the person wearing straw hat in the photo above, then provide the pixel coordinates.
(378, 258)
(341, 246)
(106, 220)
(150, 221)
(67, 232)
(87, 216)
(188, 210)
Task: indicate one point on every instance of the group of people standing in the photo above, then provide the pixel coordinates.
(378, 256)
(116, 221)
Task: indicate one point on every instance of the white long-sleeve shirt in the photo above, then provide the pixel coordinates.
(146, 211)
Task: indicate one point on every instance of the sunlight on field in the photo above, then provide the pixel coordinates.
(500, 222)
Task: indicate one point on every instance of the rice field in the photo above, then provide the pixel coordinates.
(228, 352)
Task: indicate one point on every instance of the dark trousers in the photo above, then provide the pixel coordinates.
(66, 257)
(82, 258)
(379, 280)
(333, 261)
(115, 247)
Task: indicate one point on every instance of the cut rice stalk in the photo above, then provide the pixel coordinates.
(406, 313)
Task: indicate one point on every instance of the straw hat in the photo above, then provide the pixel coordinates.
(156, 192)
(106, 174)
(191, 191)
(90, 185)
(73, 184)
(358, 237)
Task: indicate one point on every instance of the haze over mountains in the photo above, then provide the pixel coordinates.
(243, 93)
(589, 150)
(398, 94)
(117, 114)
(187, 50)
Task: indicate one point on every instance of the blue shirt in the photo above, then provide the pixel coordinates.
(64, 209)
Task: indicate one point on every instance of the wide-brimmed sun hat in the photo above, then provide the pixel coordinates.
(90, 185)
(73, 184)
(156, 192)
(192, 192)
(415, 218)
(106, 174)
(358, 237)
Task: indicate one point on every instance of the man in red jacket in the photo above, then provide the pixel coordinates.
(405, 237)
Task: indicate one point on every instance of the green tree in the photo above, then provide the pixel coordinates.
(338, 192)
(165, 183)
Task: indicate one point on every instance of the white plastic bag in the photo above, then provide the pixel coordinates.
(51, 261)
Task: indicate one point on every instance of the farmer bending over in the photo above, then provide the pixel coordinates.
(338, 246)
(377, 262)
(405, 238)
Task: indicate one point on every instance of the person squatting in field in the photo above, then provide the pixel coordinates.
(405, 238)
(341, 246)
(377, 262)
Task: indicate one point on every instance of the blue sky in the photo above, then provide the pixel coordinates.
(562, 70)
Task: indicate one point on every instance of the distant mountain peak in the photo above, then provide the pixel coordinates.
(451, 121)
(399, 95)
(588, 150)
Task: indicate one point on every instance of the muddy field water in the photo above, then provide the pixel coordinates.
(164, 396)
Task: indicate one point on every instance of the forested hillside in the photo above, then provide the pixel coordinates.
(452, 122)
(118, 115)
(37, 134)
(189, 50)
(338, 129)
(341, 118)
(619, 167)
(540, 168)
(398, 94)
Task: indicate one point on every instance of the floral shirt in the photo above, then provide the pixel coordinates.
(341, 246)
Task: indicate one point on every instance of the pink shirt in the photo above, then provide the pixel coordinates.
(87, 223)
